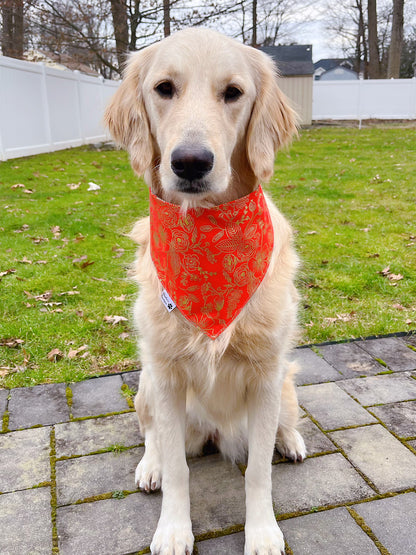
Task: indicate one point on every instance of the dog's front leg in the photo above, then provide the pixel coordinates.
(173, 535)
(263, 535)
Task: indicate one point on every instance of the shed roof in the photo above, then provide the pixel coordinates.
(294, 59)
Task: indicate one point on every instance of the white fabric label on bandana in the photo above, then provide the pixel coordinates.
(167, 301)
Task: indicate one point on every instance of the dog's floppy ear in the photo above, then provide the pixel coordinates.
(126, 115)
(273, 121)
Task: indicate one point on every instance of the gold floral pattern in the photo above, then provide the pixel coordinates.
(211, 260)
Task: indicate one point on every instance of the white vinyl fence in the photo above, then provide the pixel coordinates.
(364, 99)
(44, 109)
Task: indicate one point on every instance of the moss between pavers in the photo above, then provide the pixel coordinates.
(95, 416)
(5, 422)
(55, 547)
(362, 524)
(128, 395)
(116, 449)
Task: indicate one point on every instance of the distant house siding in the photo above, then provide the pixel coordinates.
(338, 74)
(299, 90)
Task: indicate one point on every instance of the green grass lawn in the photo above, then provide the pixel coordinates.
(350, 195)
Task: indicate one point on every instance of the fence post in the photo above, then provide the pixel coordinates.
(359, 99)
(77, 74)
(412, 114)
(46, 112)
(2, 151)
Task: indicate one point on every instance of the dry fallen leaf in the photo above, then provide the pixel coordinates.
(55, 355)
(24, 227)
(7, 272)
(114, 319)
(24, 261)
(73, 353)
(11, 342)
(341, 318)
(124, 335)
(120, 298)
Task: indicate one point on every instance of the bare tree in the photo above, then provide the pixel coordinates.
(361, 53)
(374, 69)
(254, 32)
(166, 17)
(121, 30)
(12, 36)
(396, 43)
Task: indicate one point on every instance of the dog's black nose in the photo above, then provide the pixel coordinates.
(191, 163)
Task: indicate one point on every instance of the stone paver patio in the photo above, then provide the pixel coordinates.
(68, 454)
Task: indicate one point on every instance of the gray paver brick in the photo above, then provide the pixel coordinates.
(313, 368)
(42, 404)
(393, 522)
(393, 351)
(319, 481)
(380, 456)
(83, 477)
(315, 440)
(108, 527)
(87, 436)
(224, 545)
(25, 522)
(327, 533)
(24, 459)
(4, 393)
(380, 389)
(220, 485)
(350, 360)
(410, 339)
(400, 418)
(97, 396)
(332, 407)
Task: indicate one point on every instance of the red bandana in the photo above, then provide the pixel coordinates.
(211, 260)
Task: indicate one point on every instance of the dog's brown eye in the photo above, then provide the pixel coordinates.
(165, 89)
(232, 93)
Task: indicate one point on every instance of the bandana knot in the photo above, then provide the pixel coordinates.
(211, 260)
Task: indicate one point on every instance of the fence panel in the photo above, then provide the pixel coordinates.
(44, 109)
(364, 99)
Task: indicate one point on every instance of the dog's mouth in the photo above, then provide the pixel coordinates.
(195, 187)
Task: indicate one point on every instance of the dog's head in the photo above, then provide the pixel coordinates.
(201, 116)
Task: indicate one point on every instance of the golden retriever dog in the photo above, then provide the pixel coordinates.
(202, 116)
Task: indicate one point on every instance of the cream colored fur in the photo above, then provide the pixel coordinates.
(237, 389)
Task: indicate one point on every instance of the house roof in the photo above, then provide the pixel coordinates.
(330, 63)
(294, 59)
(58, 61)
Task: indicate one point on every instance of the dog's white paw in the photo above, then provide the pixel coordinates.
(267, 540)
(290, 444)
(148, 475)
(173, 538)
